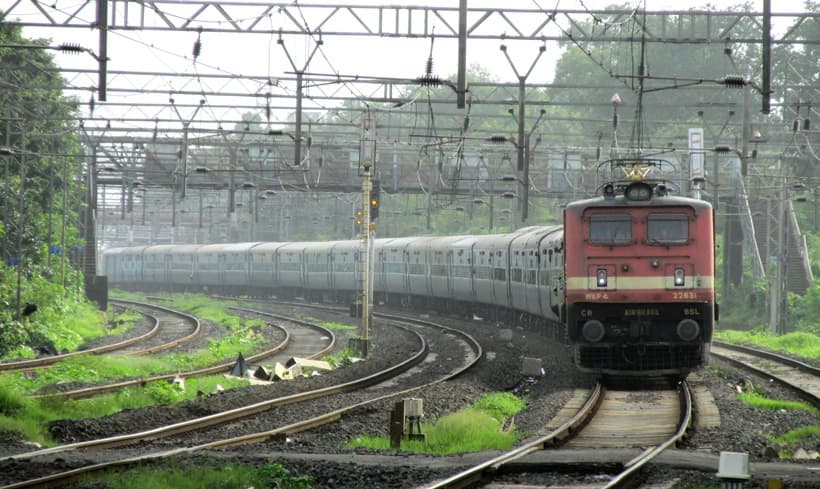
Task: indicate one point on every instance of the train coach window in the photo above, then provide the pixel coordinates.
(610, 229)
(667, 229)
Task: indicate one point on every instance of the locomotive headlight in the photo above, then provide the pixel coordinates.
(680, 277)
(688, 329)
(593, 331)
(601, 277)
(638, 191)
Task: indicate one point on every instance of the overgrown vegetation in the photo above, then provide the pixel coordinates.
(480, 427)
(41, 196)
(341, 359)
(806, 345)
(805, 436)
(155, 393)
(339, 326)
(245, 337)
(21, 414)
(30, 417)
(63, 320)
(760, 401)
(270, 476)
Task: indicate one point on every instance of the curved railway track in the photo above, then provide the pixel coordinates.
(301, 339)
(379, 392)
(800, 377)
(601, 418)
(123, 346)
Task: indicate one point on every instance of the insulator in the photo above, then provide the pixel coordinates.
(806, 124)
(197, 48)
(734, 81)
(498, 139)
(795, 125)
(429, 68)
(70, 48)
(91, 105)
(429, 81)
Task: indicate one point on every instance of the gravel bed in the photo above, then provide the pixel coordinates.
(321, 453)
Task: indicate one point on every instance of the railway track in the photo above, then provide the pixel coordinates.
(163, 334)
(801, 378)
(601, 418)
(336, 400)
(300, 339)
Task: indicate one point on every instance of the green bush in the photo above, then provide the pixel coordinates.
(64, 318)
(474, 429)
(500, 405)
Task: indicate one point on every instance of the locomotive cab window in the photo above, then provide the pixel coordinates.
(667, 229)
(610, 230)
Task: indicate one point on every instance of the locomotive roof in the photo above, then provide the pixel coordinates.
(621, 201)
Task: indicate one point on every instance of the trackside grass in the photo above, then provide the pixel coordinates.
(155, 393)
(30, 417)
(760, 401)
(270, 476)
(803, 344)
(477, 428)
(805, 436)
(19, 413)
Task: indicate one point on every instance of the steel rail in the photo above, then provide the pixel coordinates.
(96, 390)
(75, 474)
(171, 344)
(472, 475)
(237, 413)
(627, 476)
(809, 397)
(787, 360)
(42, 362)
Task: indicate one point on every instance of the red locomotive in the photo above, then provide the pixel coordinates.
(640, 281)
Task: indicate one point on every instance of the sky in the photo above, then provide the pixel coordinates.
(261, 55)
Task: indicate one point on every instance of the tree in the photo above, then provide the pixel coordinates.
(679, 87)
(36, 130)
(40, 195)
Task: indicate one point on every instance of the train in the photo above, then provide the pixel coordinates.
(627, 280)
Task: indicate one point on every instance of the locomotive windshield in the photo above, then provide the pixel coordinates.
(667, 228)
(610, 229)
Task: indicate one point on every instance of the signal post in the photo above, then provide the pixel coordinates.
(369, 212)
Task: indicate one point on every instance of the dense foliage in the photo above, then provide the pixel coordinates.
(40, 198)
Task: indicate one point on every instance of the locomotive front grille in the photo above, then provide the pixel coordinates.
(640, 358)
